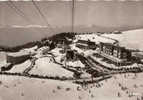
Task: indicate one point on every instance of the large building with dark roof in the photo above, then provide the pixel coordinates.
(115, 53)
(83, 44)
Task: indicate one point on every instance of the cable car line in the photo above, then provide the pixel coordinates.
(18, 11)
(42, 15)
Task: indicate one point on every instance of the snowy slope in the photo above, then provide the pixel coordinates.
(131, 39)
(58, 56)
(94, 38)
(19, 68)
(45, 66)
(25, 51)
(76, 63)
(2, 59)
(17, 54)
(21, 88)
(32, 49)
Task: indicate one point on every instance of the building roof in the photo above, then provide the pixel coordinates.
(115, 46)
(86, 42)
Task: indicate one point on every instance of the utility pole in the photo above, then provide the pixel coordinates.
(73, 14)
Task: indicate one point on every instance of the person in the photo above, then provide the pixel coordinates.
(119, 95)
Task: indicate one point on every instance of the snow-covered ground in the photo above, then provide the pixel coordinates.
(94, 38)
(109, 65)
(76, 63)
(17, 54)
(45, 66)
(40, 51)
(32, 49)
(57, 55)
(19, 68)
(73, 47)
(86, 52)
(2, 59)
(120, 87)
(131, 39)
(25, 51)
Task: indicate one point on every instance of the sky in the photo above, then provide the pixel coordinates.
(89, 16)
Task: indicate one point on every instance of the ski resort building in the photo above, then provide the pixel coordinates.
(71, 55)
(117, 54)
(83, 44)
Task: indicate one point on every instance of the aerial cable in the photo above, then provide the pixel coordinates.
(42, 15)
(18, 11)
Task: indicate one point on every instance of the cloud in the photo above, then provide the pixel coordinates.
(28, 26)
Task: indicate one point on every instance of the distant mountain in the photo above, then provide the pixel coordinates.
(18, 36)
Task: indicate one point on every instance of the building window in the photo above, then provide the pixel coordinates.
(124, 55)
(115, 52)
